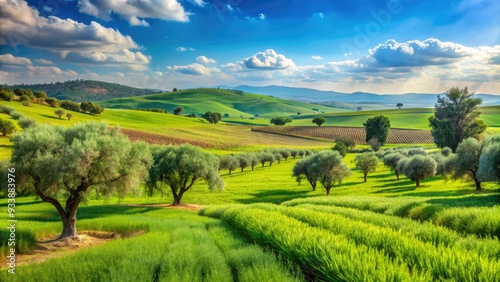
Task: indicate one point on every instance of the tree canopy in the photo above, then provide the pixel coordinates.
(319, 120)
(456, 118)
(417, 167)
(377, 127)
(63, 164)
(366, 162)
(212, 117)
(280, 120)
(180, 167)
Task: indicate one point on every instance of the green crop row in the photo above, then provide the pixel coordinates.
(425, 231)
(439, 261)
(321, 253)
(480, 221)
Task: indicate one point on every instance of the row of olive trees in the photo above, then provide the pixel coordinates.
(7, 127)
(242, 161)
(61, 165)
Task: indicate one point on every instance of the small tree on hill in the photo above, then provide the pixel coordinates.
(25, 122)
(277, 157)
(178, 110)
(63, 164)
(212, 117)
(399, 105)
(349, 142)
(280, 120)
(253, 160)
(69, 116)
(378, 128)
(180, 167)
(244, 161)
(285, 153)
(294, 153)
(319, 120)
(417, 167)
(264, 157)
(366, 162)
(7, 127)
(391, 160)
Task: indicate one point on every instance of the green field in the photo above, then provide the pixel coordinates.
(264, 225)
(199, 101)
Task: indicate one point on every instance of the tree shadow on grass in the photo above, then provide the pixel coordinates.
(274, 196)
(53, 117)
(86, 212)
(397, 189)
(468, 201)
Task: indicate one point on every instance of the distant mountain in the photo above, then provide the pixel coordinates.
(86, 90)
(351, 100)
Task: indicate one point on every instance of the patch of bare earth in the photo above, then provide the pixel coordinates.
(155, 138)
(51, 248)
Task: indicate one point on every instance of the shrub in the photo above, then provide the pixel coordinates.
(16, 115)
(7, 127)
(375, 144)
(341, 148)
(25, 122)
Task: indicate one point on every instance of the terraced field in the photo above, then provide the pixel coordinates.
(396, 136)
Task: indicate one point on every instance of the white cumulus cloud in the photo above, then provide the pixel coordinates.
(184, 49)
(9, 59)
(195, 69)
(135, 11)
(317, 57)
(205, 60)
(268, 60)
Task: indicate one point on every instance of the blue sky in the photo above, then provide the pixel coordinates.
(376, 46)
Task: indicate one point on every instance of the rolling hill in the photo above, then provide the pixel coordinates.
(355, 99)
(233, 103)
(86, 90)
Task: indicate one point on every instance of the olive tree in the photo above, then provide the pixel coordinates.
(7, 127)
(302, 169)
(366, 162)
(328, 168)
(59, 112)
(391, 160)
(266, 156)
(319, 120)
(285, 153)
(465, 163)
(229, 162)
(253, 160)
(417, 167)
(63, 164)
(180, 167)
(489, 162)
(243, 160)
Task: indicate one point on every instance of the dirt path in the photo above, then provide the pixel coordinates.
(50, 248)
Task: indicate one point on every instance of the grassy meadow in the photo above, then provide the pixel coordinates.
(264, 225)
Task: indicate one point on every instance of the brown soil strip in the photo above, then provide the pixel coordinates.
(49, 248)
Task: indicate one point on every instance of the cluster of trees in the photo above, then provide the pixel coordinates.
(26, 96)
(343, 145)
(325, 167)
(280, 120)
(50, 166)
(212, 117)
(242, 161)
(7, 127)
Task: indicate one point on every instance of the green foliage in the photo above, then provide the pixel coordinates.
(303, 170)
(265, 156)
(456, 118)
(446, 151)
(489, 162)
(53, 102)
(374, 144)
(280, 120)
(70, 105)
(59, 112)
(366, 162)
(58, 163)
(181, 167)
(349, 142)
(6, 94)
(328, 168)
(212, 117)
(6, 109)
(92, 108)
(69, 116)
(178, 110)
(417, 167)
(377, 127)
(391, 160)
(319, 120)
(25, 122)
(341, 148)
(16, 115)
(467, 160)
(399, 105)
(229, 162)
(7, 127)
